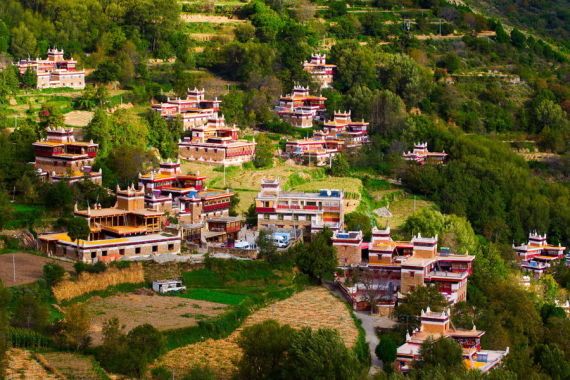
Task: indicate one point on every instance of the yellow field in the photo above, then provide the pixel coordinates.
(401, 209)
(89, 282)
(240, 178)
(314, 308)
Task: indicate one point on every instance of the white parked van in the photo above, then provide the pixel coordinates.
(168, 286)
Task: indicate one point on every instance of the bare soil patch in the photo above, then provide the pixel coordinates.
(210, 19)
(29, 268)
(78, 118)
(164, 313)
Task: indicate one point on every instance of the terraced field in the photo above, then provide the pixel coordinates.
(314, 308)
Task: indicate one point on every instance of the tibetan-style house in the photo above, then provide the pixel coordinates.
(60, 158)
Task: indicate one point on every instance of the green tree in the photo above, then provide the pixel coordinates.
(318, 258)
(145, 343)
(6, 210)
(263, 152)
(443, 352)
(553, 361)
(403, 76)
(427, 222)
(251, 215)
(78, 228)
(340, 166)
(387, 114)
(58, 197)
(53, 273)
(264, 347)
(518, 39)
(100, 130)
(23, 42)
(30, 313)
(160, 136)
(4, 325)
(76, 326)
(29, 79)
(4, 37)
(358, 221)
(386, 350)
(310, 347)
(356, 66)
(50, 117)
(267, 250)
(417, 300)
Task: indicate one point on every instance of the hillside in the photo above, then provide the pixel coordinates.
(550, 19)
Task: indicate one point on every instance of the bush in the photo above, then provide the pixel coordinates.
(53, 274)
(98, 267)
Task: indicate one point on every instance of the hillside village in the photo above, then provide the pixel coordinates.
(283, 189)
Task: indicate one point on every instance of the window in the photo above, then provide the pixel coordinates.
(265, 216)
(155, 248)
(138, 250)
(171, 247)
(412, 274)
(104, 253)
(280, 216)
(122, 251)
(93, 255)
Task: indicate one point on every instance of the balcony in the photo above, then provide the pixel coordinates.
(215, 207)
(265, 210)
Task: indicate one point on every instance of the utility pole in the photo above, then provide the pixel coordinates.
(14, 266)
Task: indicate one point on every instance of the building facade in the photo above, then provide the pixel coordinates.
(318, 150)
(60, 158)
(399, 267)
(422, 155)
(310, 212)
(348, 247)
(353, 133)
(127, 229)
(321, 72)
(183, 195)
(55, 71)
(215, 143)
(537, 256)
(436, 325)
(300, 108)
(194, 111)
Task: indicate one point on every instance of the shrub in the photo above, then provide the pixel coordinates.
(53, 274)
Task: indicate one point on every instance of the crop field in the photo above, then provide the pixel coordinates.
(29, 268)
(401, 209)
(78, 118)
(163, 312)
(22, 365)
(232, 286)
(71, 365)
(315, 308)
